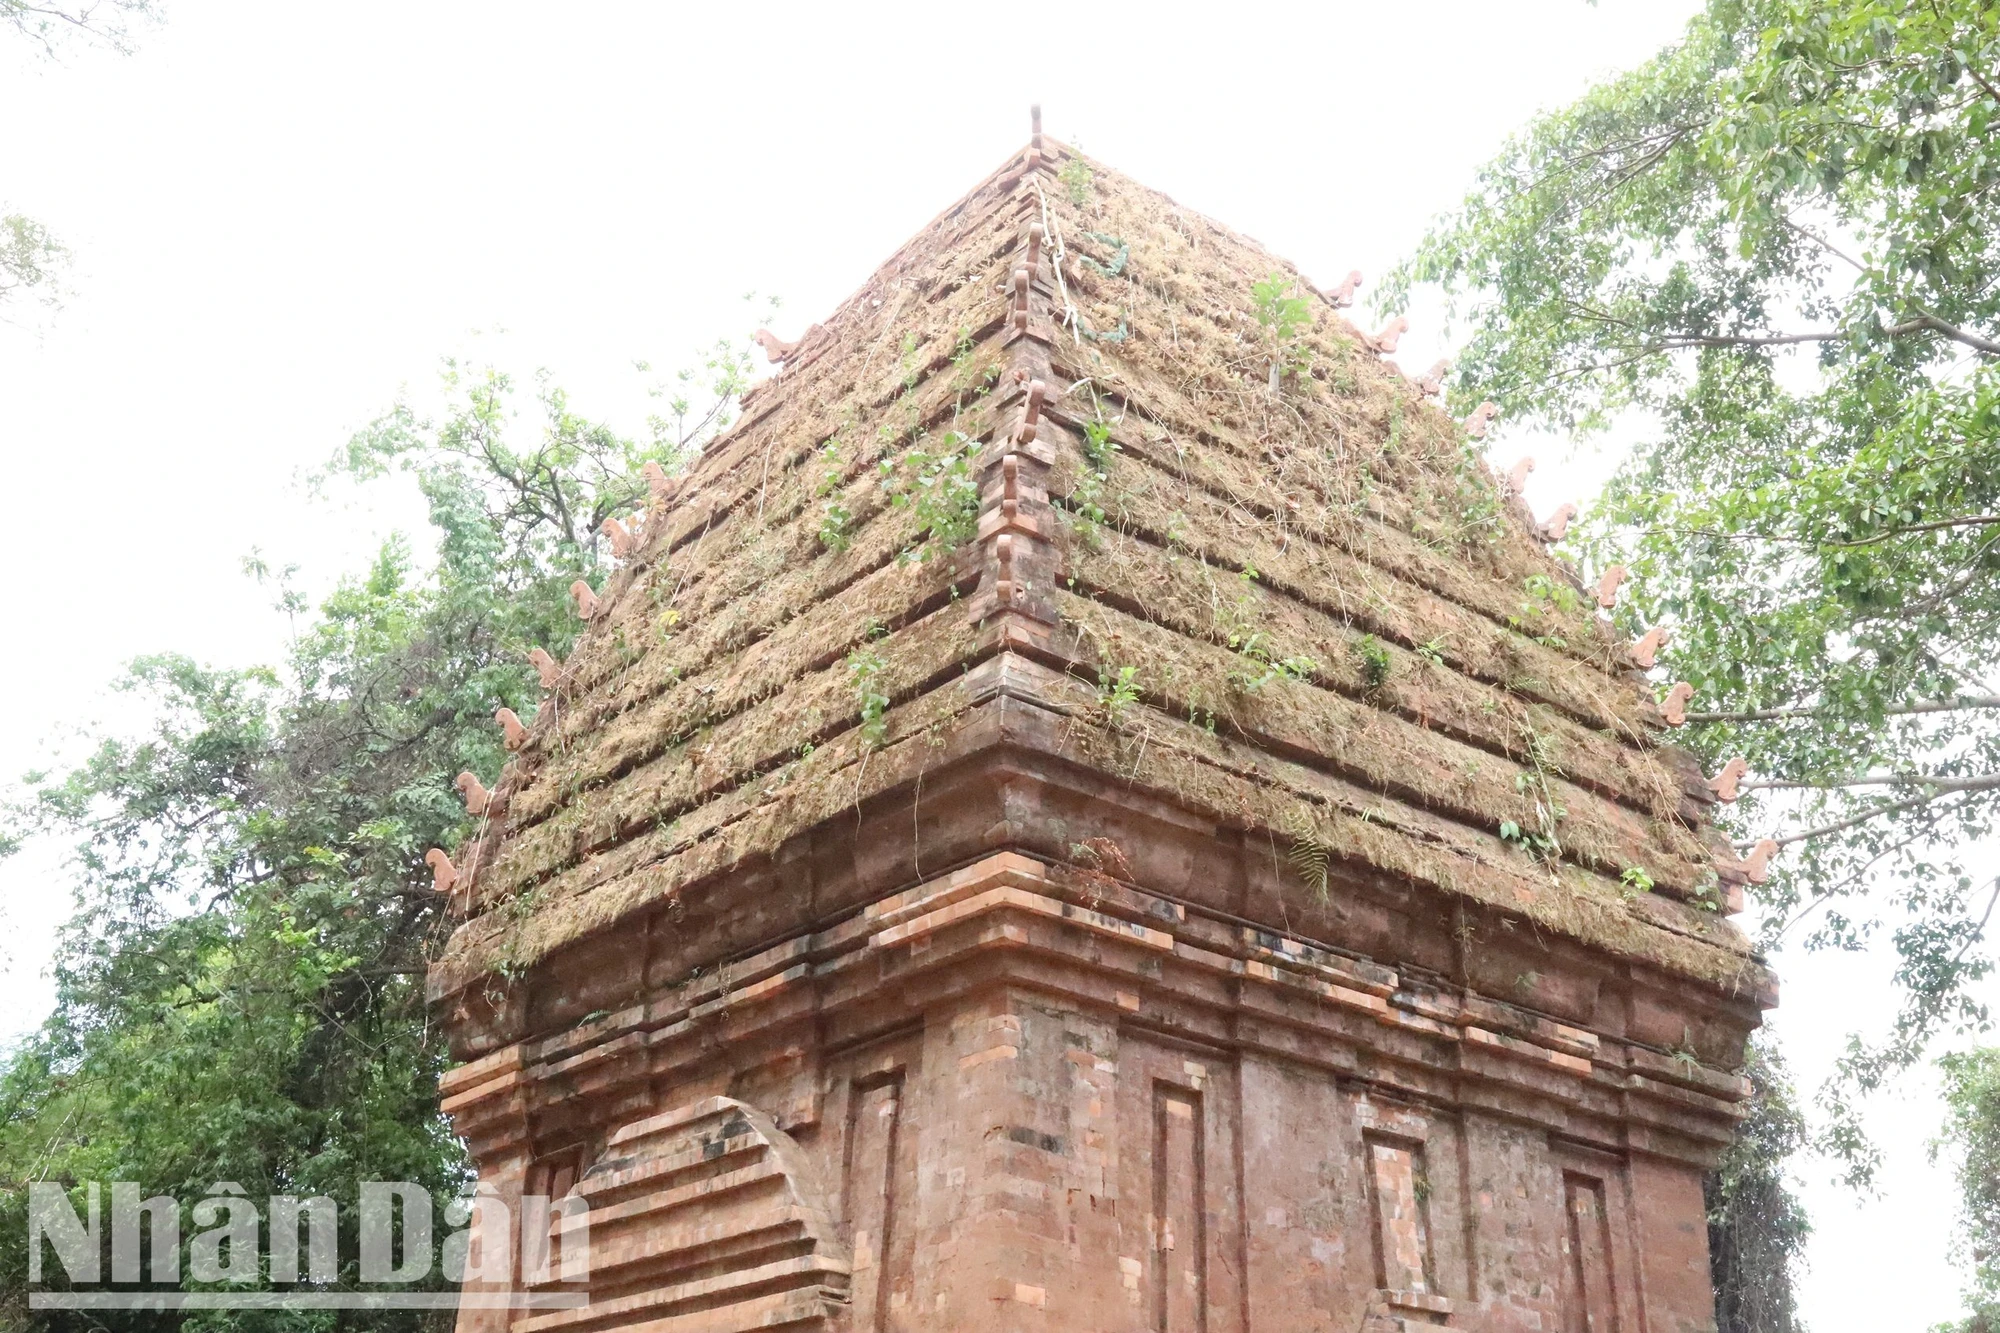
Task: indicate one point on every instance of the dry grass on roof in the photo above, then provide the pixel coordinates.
(1185, 595)
(1352, 432)
(1290, 711)
(1340, 634)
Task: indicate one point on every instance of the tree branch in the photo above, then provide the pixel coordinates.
(1892, 808)
(1980, 79)
(1749, 340)
(1926, 320)
(1978, 931)
(1922, 322)
(1960, 704)
(1935, 525)
(1940, 785)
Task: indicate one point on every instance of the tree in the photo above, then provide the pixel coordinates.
(240, 996)
(53, 26)
(30, 258)
(1972, 1138)
(1777, 244)
(1756, 1228)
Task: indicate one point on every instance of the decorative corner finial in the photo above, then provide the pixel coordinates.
(1607, 587)
(1517, 476)
(658, 484)
(1724, 784)
(512, 734)
(1431, 383)
(1482, 417)
(1648, 646)
(546, 667)
(1757, 865)
(1003, 587)
(474, 791)
(1031, 412)
(444, 875)
(623, 543)
(1674, 709)
(1342, 296)
(1392, 333)
(587, 604)
(1558, 522)
(775, 348)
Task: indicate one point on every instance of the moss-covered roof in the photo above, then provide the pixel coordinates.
(1307, 609)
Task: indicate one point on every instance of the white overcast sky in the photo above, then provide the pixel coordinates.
(282, 215)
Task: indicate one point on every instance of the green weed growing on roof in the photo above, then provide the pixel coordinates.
(937, 486)
(1076, 177)
(1117, 691)
(835, 521)
(1098, 448)
(865, 668)
(1375, 662)
(1285, 317)
(1543, 598)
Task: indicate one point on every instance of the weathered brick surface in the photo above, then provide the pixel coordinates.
(1016, 1097)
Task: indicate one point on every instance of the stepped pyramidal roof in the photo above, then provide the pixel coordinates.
(1062, 480)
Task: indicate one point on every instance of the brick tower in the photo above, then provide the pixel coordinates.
(1089, 809)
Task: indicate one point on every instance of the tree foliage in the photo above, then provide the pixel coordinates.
(1777, 246)
(1756, 1228)
(30, 257)
(1971, 1139)
(240, 995)
(51, 26)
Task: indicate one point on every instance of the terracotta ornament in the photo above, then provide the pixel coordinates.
(586, 601)
(658, 482)
(1431, 383)
(622, 543)
(1674, 709)
(444, 874)
(1342, 296)
(1391, 334)
(512, 734)
(1517, 476)
(1558, 522)
(1003, 587)
(775, 348)
(1723, 784)
(475, 793)
(1647, 648)
(1607, 587)
(1031, 412)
